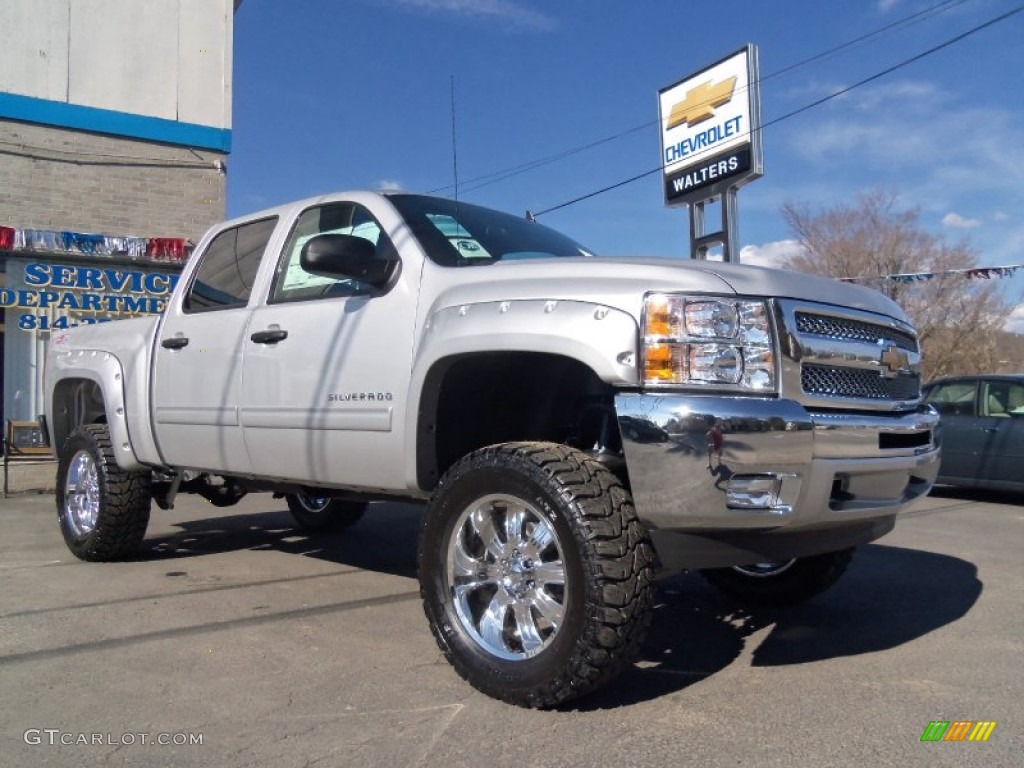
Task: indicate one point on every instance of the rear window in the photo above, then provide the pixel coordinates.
(228, 267)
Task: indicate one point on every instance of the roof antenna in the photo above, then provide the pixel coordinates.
(455, 154)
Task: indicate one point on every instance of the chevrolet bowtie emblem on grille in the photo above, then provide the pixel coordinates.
(895, 360)
(700, 102)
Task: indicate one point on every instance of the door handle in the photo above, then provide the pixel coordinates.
(269, 337)
(174, 342)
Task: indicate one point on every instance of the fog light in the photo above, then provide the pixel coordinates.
(753, 491)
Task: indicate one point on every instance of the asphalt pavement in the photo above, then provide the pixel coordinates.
(237, 640)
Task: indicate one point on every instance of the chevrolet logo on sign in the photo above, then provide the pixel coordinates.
(895, 360)
(700, 103)
(710, 130)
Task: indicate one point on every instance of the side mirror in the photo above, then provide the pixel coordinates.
(345, 256)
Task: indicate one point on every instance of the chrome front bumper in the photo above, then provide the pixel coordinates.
(776, 468)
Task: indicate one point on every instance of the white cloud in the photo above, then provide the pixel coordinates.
(1015, 321)
(389, 185)
(506, 10)
(773, 254)
(1000, 216)
(905, 133)
(887, 126)
(887, 5)
(956, 221)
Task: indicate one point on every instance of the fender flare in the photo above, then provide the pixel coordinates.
(602, 338)
(105, 371)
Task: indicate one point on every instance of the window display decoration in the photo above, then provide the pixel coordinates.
(974, 273)
(43, 241)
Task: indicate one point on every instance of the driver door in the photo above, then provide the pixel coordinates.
(324, 392)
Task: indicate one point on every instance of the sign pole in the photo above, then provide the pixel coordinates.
(702, 241)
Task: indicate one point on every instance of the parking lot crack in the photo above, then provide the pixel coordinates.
(217, 626)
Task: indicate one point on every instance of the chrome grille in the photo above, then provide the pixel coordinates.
(858, 383)
(846, 329)
(841, 357)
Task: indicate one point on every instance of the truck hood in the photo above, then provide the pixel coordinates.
(622, 282)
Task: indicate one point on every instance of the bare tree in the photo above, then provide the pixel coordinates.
(957, 319)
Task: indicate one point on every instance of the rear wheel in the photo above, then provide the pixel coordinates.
(103, 509)
(535, 573)
(322, 513)
(785, 582)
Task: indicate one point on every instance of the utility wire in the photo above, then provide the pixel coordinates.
(493, 177)
(128, 163)
(900, 65)
(906, 21)
(806, 107)
(100, 158)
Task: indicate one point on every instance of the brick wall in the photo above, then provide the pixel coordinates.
(51, 178)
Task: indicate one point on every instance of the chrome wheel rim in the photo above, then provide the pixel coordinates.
(82, 494)
(506, 576)
(315, 505)
(765, 570)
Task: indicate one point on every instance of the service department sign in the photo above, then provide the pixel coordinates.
(57, 296)
(710, 129)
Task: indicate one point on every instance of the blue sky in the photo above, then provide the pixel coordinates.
(346, 94)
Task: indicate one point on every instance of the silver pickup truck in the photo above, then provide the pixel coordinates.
(576, 424)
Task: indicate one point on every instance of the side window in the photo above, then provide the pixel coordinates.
(955, 398)
(1002, 399)
(1015, 399)
(228, 267)
(293, 283)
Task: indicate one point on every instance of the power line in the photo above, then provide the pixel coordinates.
(493, 177)
(906, 21)
(806, 107)
(894, 67)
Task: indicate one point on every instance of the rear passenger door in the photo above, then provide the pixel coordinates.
(1002, 416)
(197, 371)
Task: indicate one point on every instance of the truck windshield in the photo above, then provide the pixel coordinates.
(458, 234)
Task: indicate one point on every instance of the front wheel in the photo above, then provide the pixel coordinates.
(785, 582)
(322, 513)
(536, 575)
(103, 509)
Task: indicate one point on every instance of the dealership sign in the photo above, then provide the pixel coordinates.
(65, 296)
(710, 129)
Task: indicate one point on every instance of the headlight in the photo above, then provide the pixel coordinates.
(708, 340)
